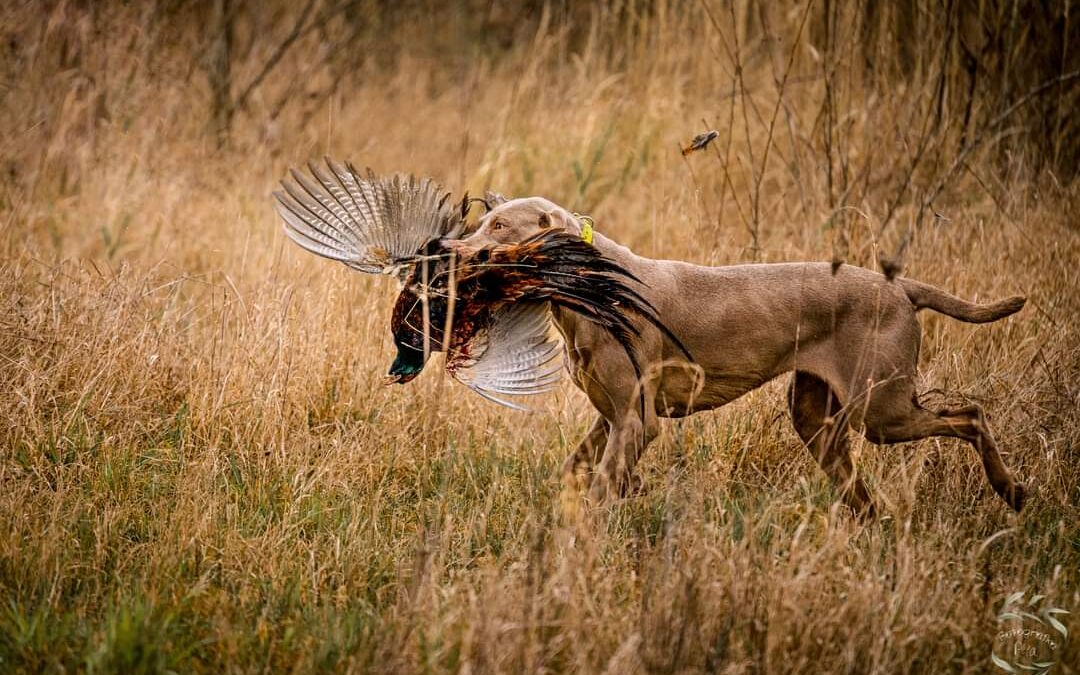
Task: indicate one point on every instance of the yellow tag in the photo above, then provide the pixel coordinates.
(586, 229)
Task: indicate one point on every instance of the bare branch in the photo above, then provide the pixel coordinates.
(275, 58)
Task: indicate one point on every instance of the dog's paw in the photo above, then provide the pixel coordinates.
(1016, 497)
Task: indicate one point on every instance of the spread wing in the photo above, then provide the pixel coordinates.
(514, 356)
(369, 223)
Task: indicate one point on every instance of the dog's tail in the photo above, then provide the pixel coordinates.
(924, 295)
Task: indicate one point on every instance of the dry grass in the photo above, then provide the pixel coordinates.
(200, 472)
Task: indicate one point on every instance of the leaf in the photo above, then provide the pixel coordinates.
(1004, 665)
(1035, 598)
(1009, 615)
(1019, 595)
(1058, 626)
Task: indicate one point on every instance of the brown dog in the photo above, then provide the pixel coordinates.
(852, 339)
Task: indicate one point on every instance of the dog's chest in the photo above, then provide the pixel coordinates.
(576, 347)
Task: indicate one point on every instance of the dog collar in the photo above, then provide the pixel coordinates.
(586, 228)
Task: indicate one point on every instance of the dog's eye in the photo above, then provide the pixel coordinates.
(498, 225)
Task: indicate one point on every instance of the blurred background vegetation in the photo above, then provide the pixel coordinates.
(983, 73)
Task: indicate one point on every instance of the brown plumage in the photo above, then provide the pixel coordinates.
(489, 283)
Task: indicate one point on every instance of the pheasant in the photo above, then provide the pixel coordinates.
(488, 308)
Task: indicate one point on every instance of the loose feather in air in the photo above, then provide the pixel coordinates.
(700, 142)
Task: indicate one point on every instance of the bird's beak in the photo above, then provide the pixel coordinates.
(399, 378)
(402, 371)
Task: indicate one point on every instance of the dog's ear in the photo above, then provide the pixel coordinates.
(558, 219)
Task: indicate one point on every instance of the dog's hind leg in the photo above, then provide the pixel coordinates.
(905, 420)
(583, 460)
(820, 422)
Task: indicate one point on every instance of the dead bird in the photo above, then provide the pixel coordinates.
(498, 339)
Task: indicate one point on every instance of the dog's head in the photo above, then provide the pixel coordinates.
(515, 220)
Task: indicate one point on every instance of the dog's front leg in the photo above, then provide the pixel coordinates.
(627, 440)
(582, 461)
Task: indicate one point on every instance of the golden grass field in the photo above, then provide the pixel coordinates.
(201, 472)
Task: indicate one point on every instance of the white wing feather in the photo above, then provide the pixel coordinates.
(515, 356)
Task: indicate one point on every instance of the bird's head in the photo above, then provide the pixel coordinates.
(406, 366)
(418, 325)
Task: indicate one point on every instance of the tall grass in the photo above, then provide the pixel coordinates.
(201, 473)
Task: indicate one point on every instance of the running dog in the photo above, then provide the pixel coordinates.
(851, 337)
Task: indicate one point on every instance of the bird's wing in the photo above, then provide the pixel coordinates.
(371, 224)
(513, 356)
